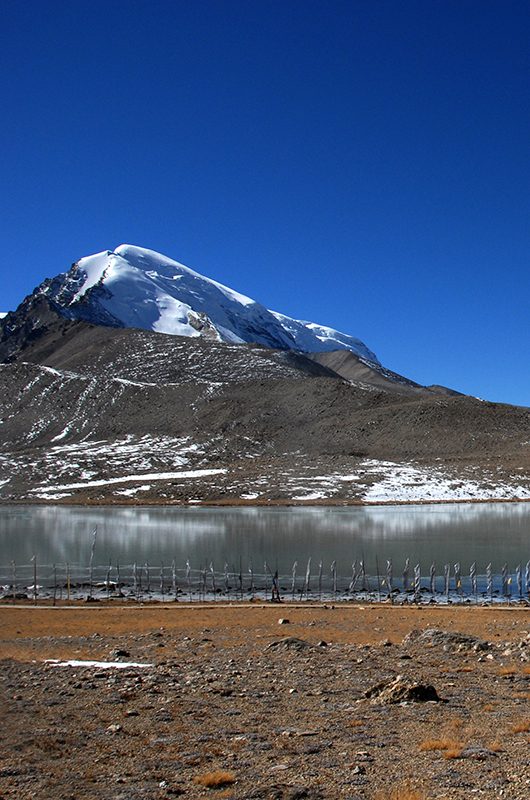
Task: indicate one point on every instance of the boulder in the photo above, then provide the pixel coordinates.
(449, 641)
(402, 690)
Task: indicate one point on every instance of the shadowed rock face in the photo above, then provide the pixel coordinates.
(20, 329)
(290, 643)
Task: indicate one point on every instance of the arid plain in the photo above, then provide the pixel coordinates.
(231, 703)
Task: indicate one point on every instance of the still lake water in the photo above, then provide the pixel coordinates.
(493, 532)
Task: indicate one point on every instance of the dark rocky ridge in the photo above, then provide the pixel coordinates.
(355, 369)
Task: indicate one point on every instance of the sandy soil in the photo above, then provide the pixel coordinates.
(261, 709)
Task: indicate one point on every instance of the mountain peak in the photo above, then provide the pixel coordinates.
(134, 287)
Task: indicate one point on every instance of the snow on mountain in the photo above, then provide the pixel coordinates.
(313, 338)
(3, 314)
(134, 287)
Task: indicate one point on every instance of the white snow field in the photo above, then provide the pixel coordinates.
(377, 481)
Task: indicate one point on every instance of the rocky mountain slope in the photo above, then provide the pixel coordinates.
(113, 414)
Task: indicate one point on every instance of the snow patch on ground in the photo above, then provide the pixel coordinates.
(51, 495)
(62, 435)
(402, 482)
(153, 476)
(53, 662)
(133, 491)
(45, 471)
(376, 481)
(125, 382)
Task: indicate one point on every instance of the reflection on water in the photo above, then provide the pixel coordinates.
(496, 532)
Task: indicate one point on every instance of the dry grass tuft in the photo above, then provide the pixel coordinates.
(496, 747)
(454, 752)
(402, 792)
(506, 671)
(488, 707)
(450, 743)
(521, 727)
(439, 744)
(526, 670)
(216, 779)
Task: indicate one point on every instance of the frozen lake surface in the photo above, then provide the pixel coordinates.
(233, 540)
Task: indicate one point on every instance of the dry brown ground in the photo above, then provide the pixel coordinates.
(238, 623)
(283, 723)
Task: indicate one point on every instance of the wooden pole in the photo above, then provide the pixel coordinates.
(34, 559)
(174, 579)
(378, 579)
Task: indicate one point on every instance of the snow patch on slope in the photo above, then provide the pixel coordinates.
(94, 268)
(408, 483)
(150, 476)
(394, 482)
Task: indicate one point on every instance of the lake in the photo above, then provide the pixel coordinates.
(445, 534)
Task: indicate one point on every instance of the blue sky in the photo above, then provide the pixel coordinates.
(364, 165)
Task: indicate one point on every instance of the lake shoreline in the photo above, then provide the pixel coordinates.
(240, 503)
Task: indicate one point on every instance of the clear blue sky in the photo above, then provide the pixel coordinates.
(364, 165)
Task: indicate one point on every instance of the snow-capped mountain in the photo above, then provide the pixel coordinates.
(133, 287)
(100, 403)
